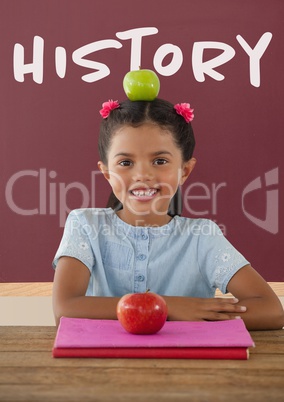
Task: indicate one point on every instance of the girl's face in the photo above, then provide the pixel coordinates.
(144, 169)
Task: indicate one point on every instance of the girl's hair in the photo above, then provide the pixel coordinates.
(134, 114)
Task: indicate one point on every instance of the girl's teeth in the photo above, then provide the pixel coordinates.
(145, 193)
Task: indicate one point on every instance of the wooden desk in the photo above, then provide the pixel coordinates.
(29, 373)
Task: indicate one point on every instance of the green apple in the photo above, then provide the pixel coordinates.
(141, 85)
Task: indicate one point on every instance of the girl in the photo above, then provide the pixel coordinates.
(146, 151)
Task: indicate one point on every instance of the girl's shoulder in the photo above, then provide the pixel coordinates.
(91, 214)
(92, 211)
(198, 225)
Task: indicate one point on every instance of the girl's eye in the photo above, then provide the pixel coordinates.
(125, 163)
(160, 161)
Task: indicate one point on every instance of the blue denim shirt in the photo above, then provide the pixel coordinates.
(186, 257)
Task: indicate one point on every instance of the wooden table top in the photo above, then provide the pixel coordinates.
(28, 372)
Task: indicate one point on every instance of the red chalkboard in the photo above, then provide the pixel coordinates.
(60, 60)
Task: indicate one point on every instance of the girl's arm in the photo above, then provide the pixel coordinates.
(264, 309)
(255, 303)
(68, 296)
(71, 281)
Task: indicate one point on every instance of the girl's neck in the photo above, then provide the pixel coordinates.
(143, 220)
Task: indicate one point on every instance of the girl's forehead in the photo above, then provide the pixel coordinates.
(143, 131)
(146, 139)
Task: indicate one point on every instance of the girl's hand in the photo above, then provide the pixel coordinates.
(253, 300)
(199, 309)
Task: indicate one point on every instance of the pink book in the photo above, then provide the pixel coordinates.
(80, 337)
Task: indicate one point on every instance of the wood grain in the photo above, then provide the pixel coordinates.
(45, 289)
(29, 373)
(26, 289)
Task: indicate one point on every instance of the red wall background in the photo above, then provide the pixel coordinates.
(48, 129)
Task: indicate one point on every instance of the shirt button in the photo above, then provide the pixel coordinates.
(141, 257)
(140, 278)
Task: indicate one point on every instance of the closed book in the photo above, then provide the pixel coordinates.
(80, 337)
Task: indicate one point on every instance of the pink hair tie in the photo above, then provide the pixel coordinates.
(185, 111)
(108, 107)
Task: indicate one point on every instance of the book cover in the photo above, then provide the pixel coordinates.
(80, 337)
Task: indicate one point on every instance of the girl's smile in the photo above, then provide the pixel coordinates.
(145, 169)
(144, 194)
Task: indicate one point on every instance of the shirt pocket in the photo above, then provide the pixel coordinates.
(117, 256)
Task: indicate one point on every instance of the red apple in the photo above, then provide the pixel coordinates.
(142, 313)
